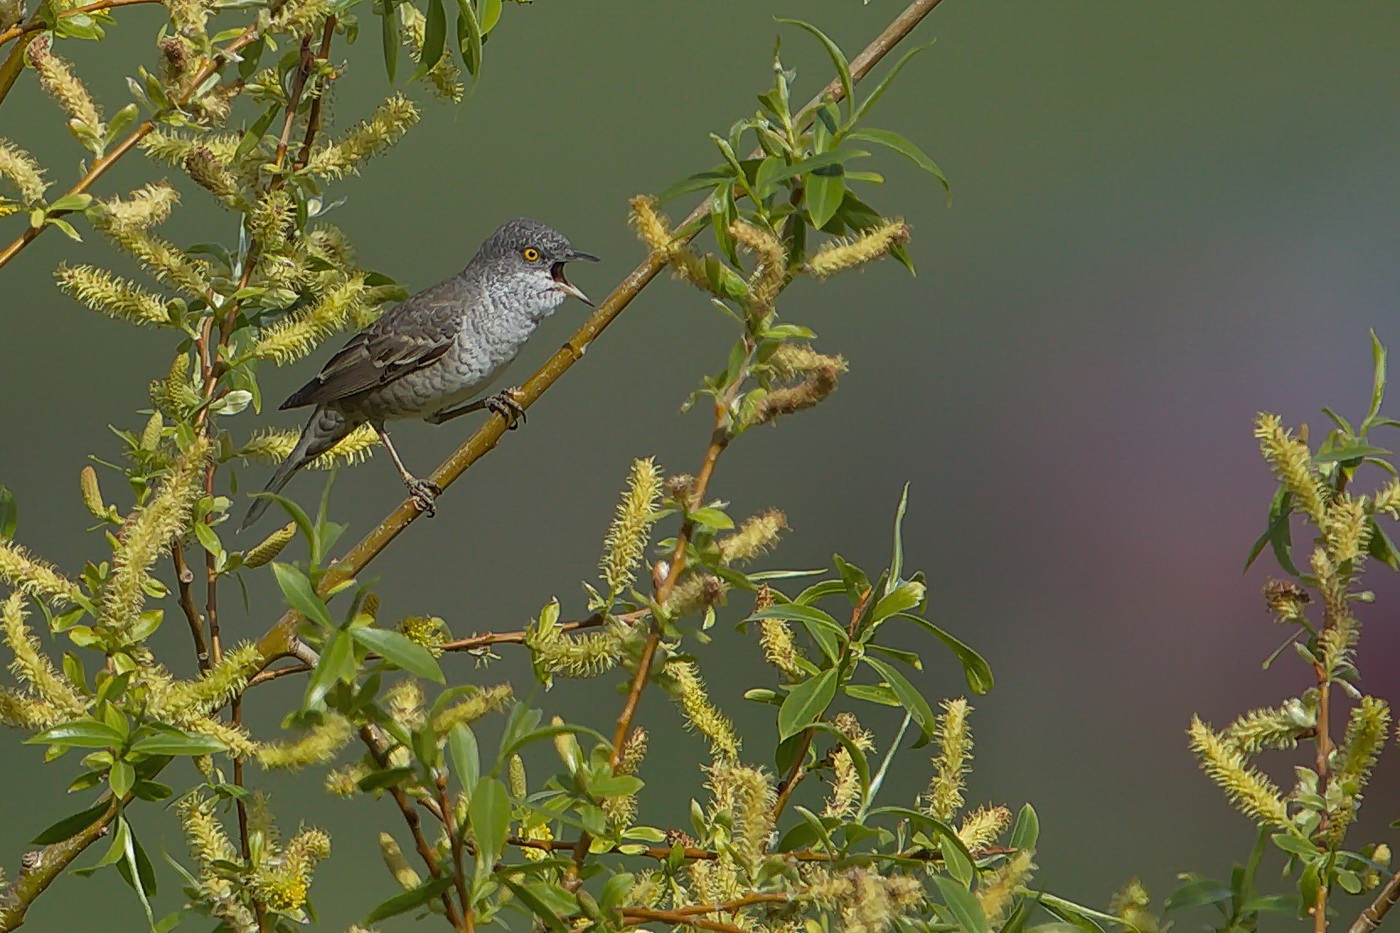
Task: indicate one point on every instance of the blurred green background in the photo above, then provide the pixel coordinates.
(1165, 217)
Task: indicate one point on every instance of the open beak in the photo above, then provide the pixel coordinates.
(564, 285)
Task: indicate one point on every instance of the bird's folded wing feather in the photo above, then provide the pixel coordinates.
(407, 338)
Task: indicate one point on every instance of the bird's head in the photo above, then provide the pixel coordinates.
(528, 258)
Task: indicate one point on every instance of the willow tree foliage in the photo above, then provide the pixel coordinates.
(794, 830)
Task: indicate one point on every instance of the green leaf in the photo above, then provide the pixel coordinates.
(70, 826)
(408, 900)
(1196, 893)
(396, 648)
(1354, 450)
(337, 664)
(975, 667)
(469, 37)
(250, 139)
(176, 742)
(489, 815)
(1026, 832)
(897, 554)
(701, 181)
(838, 58)
(385, 777)
(82, 733)
(297, 588)
(906, 596)
(466, 759)
(9, 513)
(1295, 845)
(1381, 547)
(711, 517)
(71, 202)
(871, 693)
(120, 778)
(823, 193)
(896, 142)
(807, 701)
(967, 913)
(546, 914)
(1377, 382)
(885, 83)
(490, 15)
(389, 20)
(434, 38)
(958, 863)
(825, 631)
(809, 165)
(909, 696)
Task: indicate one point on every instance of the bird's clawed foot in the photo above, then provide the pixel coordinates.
(424, 493)
(505, 404)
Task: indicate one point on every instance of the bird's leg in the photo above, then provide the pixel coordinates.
(422, 491)
(502, 403)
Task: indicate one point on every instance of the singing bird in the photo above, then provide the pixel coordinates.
(432, 356)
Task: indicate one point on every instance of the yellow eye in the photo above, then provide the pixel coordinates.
(531, 254)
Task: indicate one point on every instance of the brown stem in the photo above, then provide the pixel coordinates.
(53, 860)
(313, 118)
(415, 824)
(638, 915)
(35, 25)
(183, 578)
(1386, 898)
(293, 102)
(469, 644)
(449, 821)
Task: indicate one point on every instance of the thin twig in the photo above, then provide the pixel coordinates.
(637, 915)
(35, 24)
(183, 578)
(1386, 898)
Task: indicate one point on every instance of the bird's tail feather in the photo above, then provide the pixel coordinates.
(324, 429)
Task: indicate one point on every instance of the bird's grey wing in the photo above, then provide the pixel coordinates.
(409, 337)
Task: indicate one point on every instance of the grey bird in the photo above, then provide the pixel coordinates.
(431, 355)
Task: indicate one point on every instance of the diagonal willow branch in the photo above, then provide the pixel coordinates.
(277, 641)
(1386, 898)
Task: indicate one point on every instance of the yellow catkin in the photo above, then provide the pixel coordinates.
(631, 526)
(816, 383)
(868, 246)
(272, 446)
(701, 714)
(57, 79)
(111, 295)
(1292, 463)
(35, 577)
(385, 126)
(146, 533)
(484, 700)
(298, 334)
(983, 826)
(445, 76)
(997, 893)
(755, 537)
(268, 549)
(398, 866)
(1251, 791)
(23, 172)
(944, 796)
(31, 666)
(770, 274)
(652, 227)
(319, 744)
